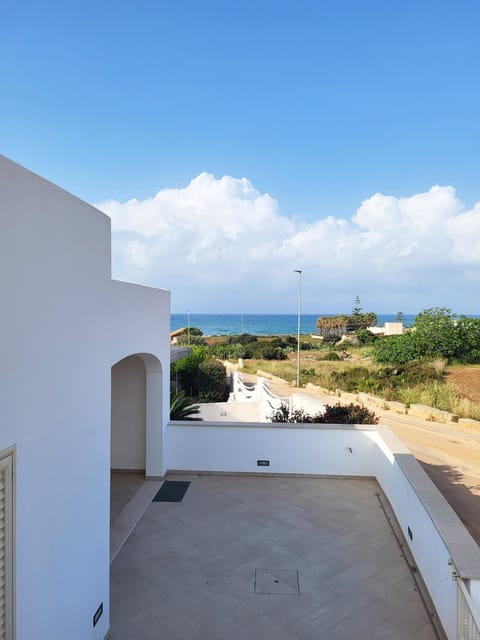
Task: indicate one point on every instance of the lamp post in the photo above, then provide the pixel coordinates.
(299, 271)
(188, 325)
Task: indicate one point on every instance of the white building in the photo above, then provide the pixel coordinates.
(70, 338)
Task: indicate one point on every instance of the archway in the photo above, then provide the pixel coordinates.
(136, 427)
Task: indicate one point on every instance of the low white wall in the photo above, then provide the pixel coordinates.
(437, 533)
(310, 405)
(229, 412)
(290, 449)
(438, 538)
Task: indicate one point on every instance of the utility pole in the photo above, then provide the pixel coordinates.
(299, 271)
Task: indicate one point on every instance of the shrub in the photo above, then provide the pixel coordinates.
(285, 414)
(330, 338)
(307, 346)
(396, 349)
(212, 386)
(330, 355)
(186, 369)
(243, 338)
(349, 414)
(337, 414)
(365, 336)
(193, 340)
(267, 351)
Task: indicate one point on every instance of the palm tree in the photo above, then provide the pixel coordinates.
(181, 407)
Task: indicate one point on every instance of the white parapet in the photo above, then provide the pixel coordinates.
(440, 544)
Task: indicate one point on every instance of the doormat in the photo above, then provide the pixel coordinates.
(171, 491)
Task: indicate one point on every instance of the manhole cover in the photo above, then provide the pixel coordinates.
(277, 581)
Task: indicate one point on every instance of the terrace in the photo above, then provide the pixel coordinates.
(342, 535)
(272, 557)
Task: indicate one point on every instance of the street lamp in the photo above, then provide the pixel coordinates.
(188, 325)
(299, 271)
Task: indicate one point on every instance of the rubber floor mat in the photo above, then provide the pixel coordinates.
(171, 491)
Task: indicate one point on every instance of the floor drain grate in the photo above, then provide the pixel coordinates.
(171, 491)
(277, 582)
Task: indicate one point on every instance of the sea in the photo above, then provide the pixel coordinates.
(221, 324)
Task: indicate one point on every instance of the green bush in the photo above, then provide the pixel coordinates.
(212, 386)
(185, 371)
(192, 340)
(267, 351)
(242, 338)
(438, 333)
(365, 336)
(330, 339)
(349, 414)
(330, 355)
(337, 414)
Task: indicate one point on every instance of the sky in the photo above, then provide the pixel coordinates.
(232, 142)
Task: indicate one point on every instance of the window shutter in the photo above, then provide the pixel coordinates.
(6, 548)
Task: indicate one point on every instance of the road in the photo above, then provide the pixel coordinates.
(449, 454)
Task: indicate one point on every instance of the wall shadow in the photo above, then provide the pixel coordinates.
(465, 503)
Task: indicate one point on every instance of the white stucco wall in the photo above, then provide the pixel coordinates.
(128, 414)
(229, 411)
(64, 324)
(303, 449)
(437, 534)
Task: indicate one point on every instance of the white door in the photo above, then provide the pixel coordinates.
(6, 547)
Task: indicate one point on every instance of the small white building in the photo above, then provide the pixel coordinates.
(84, 388)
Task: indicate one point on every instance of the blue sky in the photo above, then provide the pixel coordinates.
(319, 104)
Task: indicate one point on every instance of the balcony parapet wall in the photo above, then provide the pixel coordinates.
(440, 545)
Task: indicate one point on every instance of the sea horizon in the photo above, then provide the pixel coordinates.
(265, 324)
(261, 324)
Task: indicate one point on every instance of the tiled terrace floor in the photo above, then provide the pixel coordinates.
(188, 570)
(123, 487)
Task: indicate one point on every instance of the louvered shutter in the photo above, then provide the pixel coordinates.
(6, 548)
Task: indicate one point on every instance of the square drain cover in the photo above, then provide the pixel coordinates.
(277, 581)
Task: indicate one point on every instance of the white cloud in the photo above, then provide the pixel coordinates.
(221, 245)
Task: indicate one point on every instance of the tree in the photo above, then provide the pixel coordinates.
(436, 333)
(357, 307)
(332, 325)
(195, 339)
(181, 407)
(399, 317)
(186, 369)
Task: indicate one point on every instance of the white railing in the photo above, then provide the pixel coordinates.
(243, 391)
(468, 614)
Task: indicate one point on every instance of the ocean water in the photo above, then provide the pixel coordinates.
(218, 324)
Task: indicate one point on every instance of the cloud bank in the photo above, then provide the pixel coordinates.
(222, 246)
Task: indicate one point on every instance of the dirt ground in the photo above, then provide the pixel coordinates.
(449, 454)
(466, 380)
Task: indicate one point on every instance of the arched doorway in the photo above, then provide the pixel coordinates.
(136, 427)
